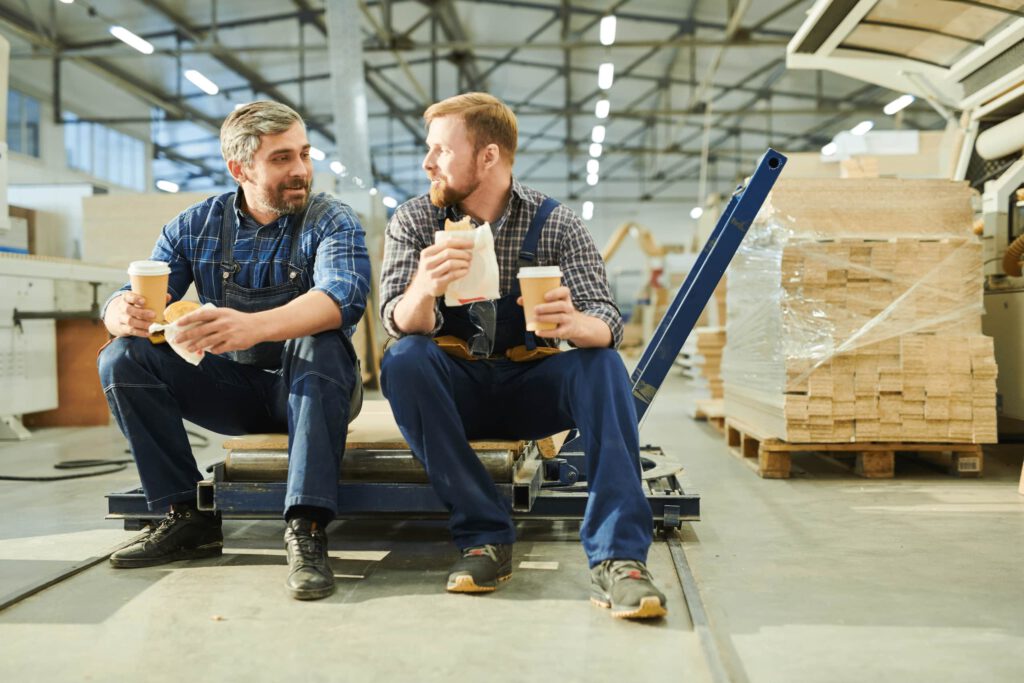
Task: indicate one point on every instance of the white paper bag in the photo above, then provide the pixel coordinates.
(171, 331)
(481, 282)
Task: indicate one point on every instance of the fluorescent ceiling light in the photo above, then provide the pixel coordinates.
(126, 36)
(166, 185)
(595, 149)
(696, 212)
(202, 82)
(899, 104)
(601, 109)
(336, 166)
(390, 202)
(373, 191)
(605, 75)
(597, 135)
(588, 210)
(829, 149)
(593, 166)
(608, 30)
(592, 179)
(67, 2)
(316, 154)
(862, 127)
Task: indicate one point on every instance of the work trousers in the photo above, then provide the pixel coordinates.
(441, 403)
(150, 389)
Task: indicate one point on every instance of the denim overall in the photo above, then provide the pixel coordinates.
(490, 328)
(312, 392)
(442, 401)
(265, 355)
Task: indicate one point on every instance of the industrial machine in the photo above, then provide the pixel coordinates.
(966, 59)
(542, 480)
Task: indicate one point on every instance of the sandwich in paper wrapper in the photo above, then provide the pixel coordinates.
(171, 328)
(481, 282)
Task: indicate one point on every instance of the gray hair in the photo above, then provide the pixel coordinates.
(240, 133)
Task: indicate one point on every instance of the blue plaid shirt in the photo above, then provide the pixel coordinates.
(334, 259)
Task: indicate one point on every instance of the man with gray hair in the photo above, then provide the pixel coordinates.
(289, 274)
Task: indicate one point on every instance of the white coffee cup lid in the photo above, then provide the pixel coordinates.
(148, 268)
(540, 271)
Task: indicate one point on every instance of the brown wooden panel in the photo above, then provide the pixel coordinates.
(80, 400)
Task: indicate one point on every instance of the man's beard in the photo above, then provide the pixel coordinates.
(443, 195)
(275, 201)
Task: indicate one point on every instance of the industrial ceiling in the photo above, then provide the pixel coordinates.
(687, 74)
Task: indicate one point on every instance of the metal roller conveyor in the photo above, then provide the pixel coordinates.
(357, 465)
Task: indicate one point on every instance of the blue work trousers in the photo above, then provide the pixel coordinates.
(441, 403)
(150, 389)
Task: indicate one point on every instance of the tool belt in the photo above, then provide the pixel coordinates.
(458, 348)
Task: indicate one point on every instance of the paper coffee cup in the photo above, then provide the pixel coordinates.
(534, 283)
(149, 279)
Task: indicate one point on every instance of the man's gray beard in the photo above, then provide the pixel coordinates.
(280, 207)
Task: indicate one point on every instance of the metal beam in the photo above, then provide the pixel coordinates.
(378, 172)
(660, 19)
(463, 58)
(127, 82)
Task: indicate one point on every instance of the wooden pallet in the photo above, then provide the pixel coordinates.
(771, 457)
(712, 410)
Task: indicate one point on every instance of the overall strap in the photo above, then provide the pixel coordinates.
(528, 251)
(228, 267)
(297, 226)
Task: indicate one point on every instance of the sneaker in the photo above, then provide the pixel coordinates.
(310, 576)
(627, 588)
(184, 534)
(480, 569)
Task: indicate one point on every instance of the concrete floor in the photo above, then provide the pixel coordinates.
(823, 577)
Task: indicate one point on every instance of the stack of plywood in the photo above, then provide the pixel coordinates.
(703, 358)
(855, 316)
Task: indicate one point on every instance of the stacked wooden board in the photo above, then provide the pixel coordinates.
(854, 311)
(701, 359)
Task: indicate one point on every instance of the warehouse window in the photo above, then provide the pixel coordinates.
(105, 153)
(22, 123)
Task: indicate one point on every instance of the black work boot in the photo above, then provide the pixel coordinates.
(480, 569)
(310, 576)
(627, 587)
(184, 534)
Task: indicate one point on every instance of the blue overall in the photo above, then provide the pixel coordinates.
(306, 392)
(441, 403)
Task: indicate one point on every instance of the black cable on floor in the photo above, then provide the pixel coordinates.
(196, 440)
(111, 465)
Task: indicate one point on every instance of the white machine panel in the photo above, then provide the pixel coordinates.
(28, 357)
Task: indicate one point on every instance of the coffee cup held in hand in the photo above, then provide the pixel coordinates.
(149, 280)
(534, 283)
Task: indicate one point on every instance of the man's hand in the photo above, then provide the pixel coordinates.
(219, 330)
(442, 264)
(559, 310)
(126, 317)
(582, 330)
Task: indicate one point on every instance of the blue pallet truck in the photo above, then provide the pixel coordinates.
(537, 487)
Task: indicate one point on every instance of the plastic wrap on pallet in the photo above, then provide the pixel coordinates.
(797, 298)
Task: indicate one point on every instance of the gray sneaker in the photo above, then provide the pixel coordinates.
(481, 568)
(628, 589)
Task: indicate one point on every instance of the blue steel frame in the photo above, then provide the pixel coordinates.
(530, 495)
(702, 280)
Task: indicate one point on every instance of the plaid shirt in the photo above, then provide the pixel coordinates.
(564, 241)
(333, 259)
